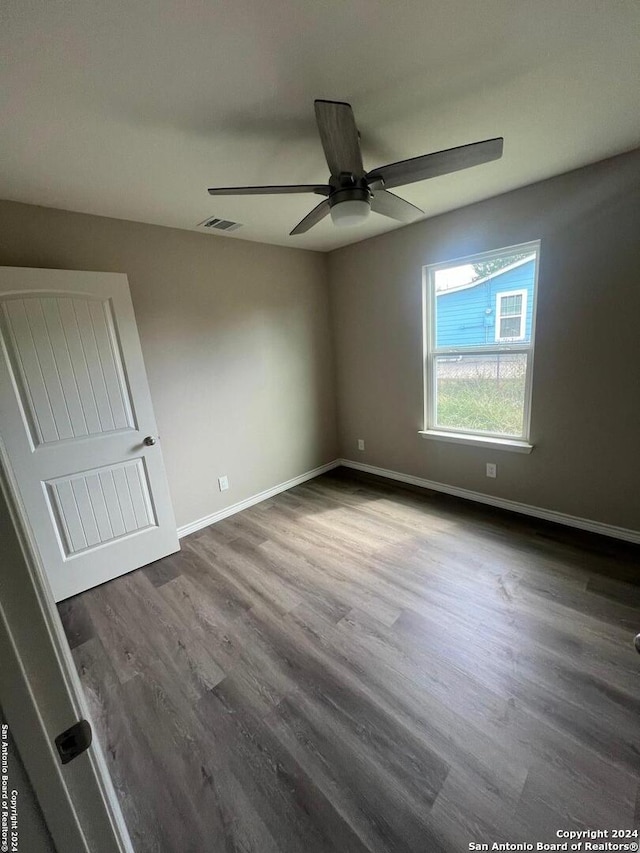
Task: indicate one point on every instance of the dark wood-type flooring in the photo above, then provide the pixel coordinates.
(351, 666)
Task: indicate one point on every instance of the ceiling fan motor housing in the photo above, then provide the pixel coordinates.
(354, 193)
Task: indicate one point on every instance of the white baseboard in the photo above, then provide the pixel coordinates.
(623, 533)
(186, 529)
(514, 506)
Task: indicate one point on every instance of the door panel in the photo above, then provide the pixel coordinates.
(96, 507)
(75, 410)
(67, 366)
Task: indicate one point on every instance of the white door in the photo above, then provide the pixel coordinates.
(75, 411)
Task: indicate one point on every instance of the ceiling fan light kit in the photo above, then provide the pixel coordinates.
(348, 213)
(351, 193)
(350, 206)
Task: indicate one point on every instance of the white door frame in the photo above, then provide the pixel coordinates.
(41, 694)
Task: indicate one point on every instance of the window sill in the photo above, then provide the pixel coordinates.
(511, 444)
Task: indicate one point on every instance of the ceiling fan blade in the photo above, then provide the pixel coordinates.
(312, 218)
(339, 137)
(320, 189)
(439, 163)
(395, 207)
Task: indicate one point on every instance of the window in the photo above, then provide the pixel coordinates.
(479, 332)
(511, 312)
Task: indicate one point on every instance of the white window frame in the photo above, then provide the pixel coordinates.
(522, 315)
(520, 443)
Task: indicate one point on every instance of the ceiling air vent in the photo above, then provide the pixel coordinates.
(215, 224)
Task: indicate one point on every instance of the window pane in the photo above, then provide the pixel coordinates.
(511, 305)
(510, 327)
(481, 393)
(468, 304)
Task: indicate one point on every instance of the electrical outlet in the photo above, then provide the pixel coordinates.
(223, 483)
(492, 470)
(361, 444)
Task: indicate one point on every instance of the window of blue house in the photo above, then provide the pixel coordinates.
(479, 319)
(511, 312)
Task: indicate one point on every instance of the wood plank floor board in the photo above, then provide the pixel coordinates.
(242, 575)
(332, 692)
(619, 591)
(123, 634)
(132, 762)
(288, 801)
(447, 730)
(565, 668)
(324, 560)
(300, 576)
(172, 763)
(331, 555)
(353, 666)
(77, 621)
(466, 811)
(194, 605)
(227, 598)
(163, 570)
(544, 746)
(378, 812)
(571, 695)
(552, 799)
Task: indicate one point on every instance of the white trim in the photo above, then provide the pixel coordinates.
(42, 694)
(186, 529)
(478, 440)
(522, 315)
(490, 349)
(623, 533)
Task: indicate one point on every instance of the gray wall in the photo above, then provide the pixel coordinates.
(236, 342)
(586, 393)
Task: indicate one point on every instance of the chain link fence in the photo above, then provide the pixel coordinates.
(507, 366)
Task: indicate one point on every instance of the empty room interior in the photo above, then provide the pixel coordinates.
(319, 406)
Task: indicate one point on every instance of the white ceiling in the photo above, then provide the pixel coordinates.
(132, 109)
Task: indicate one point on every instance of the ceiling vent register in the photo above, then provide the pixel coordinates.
(215, 224)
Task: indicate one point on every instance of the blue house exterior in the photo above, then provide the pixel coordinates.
(494, 310)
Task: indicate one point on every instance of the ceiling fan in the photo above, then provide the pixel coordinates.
(351, 192)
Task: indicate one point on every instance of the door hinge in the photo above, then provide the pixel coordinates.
(72, 742)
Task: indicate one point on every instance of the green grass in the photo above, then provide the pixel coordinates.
(481, 404)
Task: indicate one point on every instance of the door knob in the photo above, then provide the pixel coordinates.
(150, 441)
